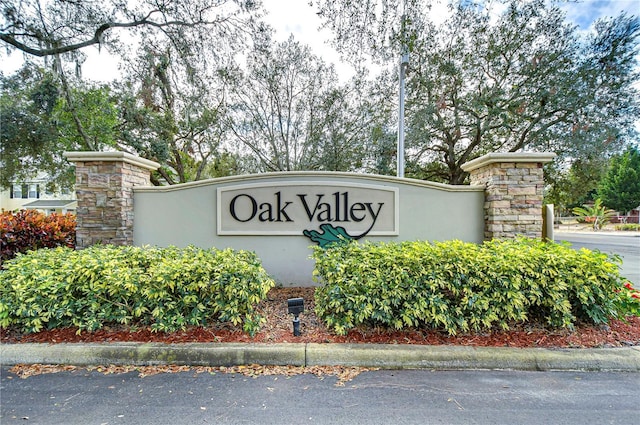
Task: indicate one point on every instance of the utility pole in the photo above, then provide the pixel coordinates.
(404, 62)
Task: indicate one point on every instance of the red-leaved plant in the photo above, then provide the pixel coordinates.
(26, 230)
(630, 299)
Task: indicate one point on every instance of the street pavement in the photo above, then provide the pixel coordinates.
(624, 244)
(375, 397)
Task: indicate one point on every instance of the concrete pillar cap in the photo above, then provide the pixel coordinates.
(89, 156)
(492, 158)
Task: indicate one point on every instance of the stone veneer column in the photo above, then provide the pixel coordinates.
(514, 185)
(104, 188)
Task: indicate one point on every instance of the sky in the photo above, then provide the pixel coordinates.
(298, 18)
(585, 13)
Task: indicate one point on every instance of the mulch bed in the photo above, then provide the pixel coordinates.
(278, 329)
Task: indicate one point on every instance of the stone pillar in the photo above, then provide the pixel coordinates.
(104, 188)
(514, 185)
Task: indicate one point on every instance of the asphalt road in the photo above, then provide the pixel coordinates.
(627, 246)
(378, 397)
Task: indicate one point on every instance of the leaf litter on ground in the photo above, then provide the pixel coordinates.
(342, 373)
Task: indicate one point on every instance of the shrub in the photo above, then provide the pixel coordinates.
(167, 289)
(628, 227)
(26, 230)
(459, 286)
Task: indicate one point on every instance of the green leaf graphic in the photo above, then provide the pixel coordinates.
(329, 235)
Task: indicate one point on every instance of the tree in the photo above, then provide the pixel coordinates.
(173, 112)
(573, 186)
(289, 111)
(37, 126)
(52, 28)
(198, 32)
(513, 77)
(620, 187)
(276, 103)
(350, 136)
(95, 115)
(522, 82)
(27, 100)
(376, 29)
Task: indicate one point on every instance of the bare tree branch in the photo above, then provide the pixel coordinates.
(97, 36)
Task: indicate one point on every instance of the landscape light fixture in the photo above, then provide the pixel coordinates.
(295, 306)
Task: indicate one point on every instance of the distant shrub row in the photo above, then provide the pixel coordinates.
(26, 230)
(167, 289)
(628, 227)
(460, 287)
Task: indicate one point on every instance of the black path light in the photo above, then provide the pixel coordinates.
(295, 307)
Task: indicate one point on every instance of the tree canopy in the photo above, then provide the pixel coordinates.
(575, 184)
(620, 187)
(499, 77)
(523, 81)
(49, 28)
(375, 29)
(289, 110)
(37, 125)
(206, 91)
(172, 111)
(177, 44)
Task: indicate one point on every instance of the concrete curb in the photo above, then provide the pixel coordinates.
(144, 354)
(366, 355)
(460, 357)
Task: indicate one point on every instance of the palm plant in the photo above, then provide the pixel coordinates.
(597, 214)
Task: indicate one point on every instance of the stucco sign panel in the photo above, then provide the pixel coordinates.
(293, 207)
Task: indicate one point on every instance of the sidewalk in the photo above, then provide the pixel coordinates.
(364, 355)
(633, 234)
(588, 230)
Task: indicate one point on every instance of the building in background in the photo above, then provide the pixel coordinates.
(32, 195)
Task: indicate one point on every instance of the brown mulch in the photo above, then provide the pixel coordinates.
(279, 328)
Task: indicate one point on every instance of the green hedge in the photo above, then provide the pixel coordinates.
(628, 227)
(460, 287)
(167, 289)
